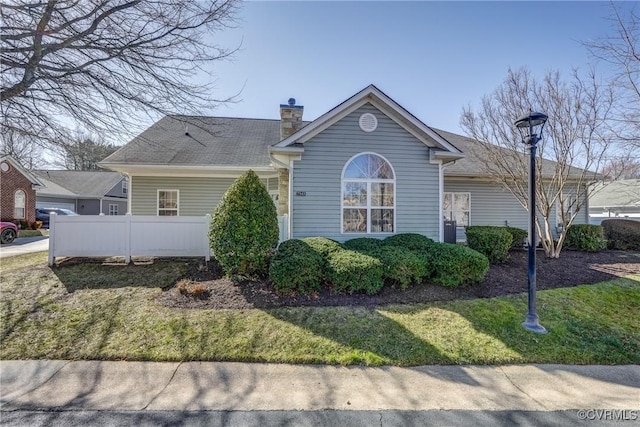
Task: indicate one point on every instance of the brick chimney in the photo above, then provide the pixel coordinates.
(290, 118)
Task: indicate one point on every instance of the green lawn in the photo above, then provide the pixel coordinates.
(109, 312)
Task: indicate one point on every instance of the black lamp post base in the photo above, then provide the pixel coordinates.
(531, 324)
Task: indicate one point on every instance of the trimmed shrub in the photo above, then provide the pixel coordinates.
(420, 245)
(322, 245)
(585, 237)
(456, 265)
(519, 236)
(244, 230)
(364, 244)
(622, 234)
(296, 268)
(351, 271)
(492, 242)
(411, 241)
(400, 266)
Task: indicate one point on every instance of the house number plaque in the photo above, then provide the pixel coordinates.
(301, 193)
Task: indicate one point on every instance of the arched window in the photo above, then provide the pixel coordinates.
(368, 195)
(19, 204)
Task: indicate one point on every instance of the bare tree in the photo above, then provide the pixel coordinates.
(575, 139)
(22, 149)
(104, 64)
(82, 151)
(622, 167)
(621, 48)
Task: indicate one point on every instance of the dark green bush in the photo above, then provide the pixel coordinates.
(622, 234)
(585, 237)
(400, 266)
(412, 241)
(518, 235)
(492, 242)
(322, 245)
(244, 230)
(420, 245)
(351, 271)
(455, 265)
(296, 268)
(363, 244)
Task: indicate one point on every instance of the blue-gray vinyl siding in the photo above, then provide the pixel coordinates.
(491, 204)
(318, 176)
(197, 195)
(117, 190)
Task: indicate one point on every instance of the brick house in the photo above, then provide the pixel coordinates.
(17, 192)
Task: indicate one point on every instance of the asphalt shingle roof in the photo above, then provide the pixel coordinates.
(77, 183)
(201, 141)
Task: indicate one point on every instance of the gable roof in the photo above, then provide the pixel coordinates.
(374, 96)
(617, 194)
(89, 184)
(200, 142)
(31, 177)
(472, 166)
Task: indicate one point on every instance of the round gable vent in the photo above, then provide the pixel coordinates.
(368, 122)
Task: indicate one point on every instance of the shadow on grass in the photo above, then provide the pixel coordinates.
(110, 273)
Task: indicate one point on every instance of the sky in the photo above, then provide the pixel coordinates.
(433, 58)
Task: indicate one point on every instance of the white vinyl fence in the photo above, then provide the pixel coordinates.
(133, 235)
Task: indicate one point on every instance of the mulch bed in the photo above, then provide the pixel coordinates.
(571, 269)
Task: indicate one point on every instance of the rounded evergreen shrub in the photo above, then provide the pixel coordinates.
(351, 271)
(244, 229)
(622, 234)
(455, 265)
(519, 237)
(420, 245)
(492, 242)
(296, 268)
(323, 245)
(400, 266)
(585, 237)
(362, 244)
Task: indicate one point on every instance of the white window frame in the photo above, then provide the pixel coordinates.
(454, 208)
(176, 209)
(113, 209)
(20, 206)
(125, 186)
(368, 207)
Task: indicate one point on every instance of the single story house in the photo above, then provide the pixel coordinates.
(367, 167)
(85, 192)
(617, 199)
(17, 192)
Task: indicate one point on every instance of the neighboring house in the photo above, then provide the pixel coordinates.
(366, 168)
(617, 199)
(17, 192)
(85, 192)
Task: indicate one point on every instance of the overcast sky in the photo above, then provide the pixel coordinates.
(433, 58)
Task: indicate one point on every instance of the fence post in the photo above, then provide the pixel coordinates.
(207, 248)
(127, 240)
(52, 238)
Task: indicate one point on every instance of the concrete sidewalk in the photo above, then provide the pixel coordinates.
(228, 386)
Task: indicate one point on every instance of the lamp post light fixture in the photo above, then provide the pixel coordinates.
(530, 127)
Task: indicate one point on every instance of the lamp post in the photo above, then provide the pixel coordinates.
(530, 127)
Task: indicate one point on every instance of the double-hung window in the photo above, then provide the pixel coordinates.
(456, 207)
(19, 204)
(368, 195)
(113, 209)
(168, 202)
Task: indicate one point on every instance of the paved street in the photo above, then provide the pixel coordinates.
(25, 245)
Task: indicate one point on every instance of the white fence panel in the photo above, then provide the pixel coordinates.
(128, 235)
(169, 236)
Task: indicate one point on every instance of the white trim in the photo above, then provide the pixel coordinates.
(369, 207)
(377, 98)
(31, 177)
(190, 171)
(24, 204)
(368, 122)
(116, 209)
(290, 207)
(440, 202)
(167, 190)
